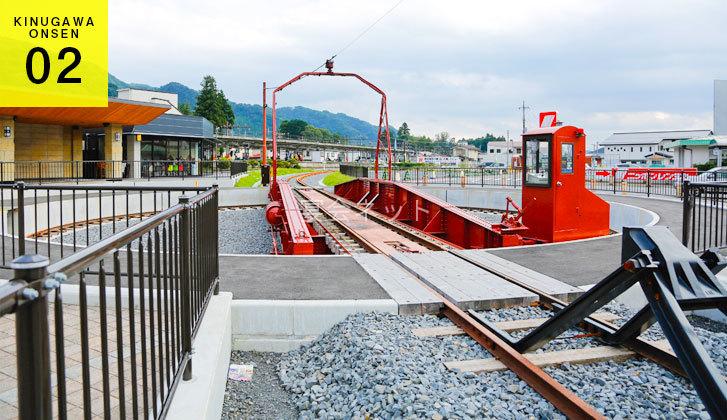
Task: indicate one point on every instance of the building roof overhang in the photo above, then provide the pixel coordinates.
(118, 111)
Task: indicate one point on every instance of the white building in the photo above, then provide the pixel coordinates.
(720, 107)
(639, 148)
(502, 152)
(466, 151)
(152, 96)
(439, 160)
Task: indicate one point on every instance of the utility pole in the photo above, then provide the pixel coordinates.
(523, 108)
(264, 167)
(507, 144)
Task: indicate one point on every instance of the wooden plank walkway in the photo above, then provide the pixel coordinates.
(573, 356)
(530, 277)
(507, 326)
(467, 285)
(402, 286)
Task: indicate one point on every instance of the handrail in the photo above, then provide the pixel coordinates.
(95, 252)
(171, 276)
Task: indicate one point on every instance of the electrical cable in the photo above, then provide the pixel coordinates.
(362, 33)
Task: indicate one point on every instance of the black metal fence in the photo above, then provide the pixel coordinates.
(356, 171)
(125, 356)
(647, 181)
(704, 223)
(49, 171)
(58, 220)
(238, 167)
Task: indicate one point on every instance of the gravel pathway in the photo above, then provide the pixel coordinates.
(242, 231)
(371, 365)
(262, 398)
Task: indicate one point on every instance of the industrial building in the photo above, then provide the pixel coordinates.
(639, 147)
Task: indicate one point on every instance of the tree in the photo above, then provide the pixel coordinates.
(403, 132)
(185, 109)
(481, 142)
(441, 137)
(293, 128)
(212, 104)
(226, 109)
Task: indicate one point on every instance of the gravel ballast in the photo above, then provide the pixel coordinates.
(264, 396)
(372, 365)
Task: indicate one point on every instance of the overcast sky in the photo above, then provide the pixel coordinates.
(458, 66)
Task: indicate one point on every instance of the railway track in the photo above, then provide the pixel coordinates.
(562, 398)
(477, 327)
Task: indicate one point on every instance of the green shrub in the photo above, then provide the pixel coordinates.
(223, 163)
(705, 166)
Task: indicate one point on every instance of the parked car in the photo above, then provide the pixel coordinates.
(718, 174)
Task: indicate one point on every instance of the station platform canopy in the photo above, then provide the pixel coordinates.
(118, 111)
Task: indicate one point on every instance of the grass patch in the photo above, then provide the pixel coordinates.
(254, 176)
(335, 178)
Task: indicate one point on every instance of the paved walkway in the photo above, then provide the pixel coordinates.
(588, 262)
(292, 278)
(72, 348)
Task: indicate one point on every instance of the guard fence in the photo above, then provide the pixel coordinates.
(51, 171)
(647, 181)
(58, 220)
(123, 347)
(704, 223)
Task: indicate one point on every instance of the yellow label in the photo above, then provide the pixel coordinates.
(54, 53)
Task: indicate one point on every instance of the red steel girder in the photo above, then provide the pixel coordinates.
(295, 235)
(430, 214)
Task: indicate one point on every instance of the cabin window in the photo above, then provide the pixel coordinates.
(537, 162)
(566, 158)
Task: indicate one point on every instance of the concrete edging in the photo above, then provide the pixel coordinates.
(202, 396)
(283, 325)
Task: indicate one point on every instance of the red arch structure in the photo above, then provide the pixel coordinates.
(383, 118)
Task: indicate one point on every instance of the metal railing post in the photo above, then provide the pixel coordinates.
(21, 217)
(216, 238)
(648, 183)
(185, 251)
(686, 213)
(32, 340)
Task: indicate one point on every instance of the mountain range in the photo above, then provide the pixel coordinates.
(249, 116)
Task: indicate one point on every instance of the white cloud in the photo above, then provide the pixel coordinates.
(461, 67)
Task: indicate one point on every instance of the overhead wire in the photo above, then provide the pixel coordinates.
(360, 35)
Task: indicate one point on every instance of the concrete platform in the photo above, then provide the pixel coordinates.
(590, 261)
(297, 278)
(469, 286)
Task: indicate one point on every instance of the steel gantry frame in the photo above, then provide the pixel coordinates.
(383, 117)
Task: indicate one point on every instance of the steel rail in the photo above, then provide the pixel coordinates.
(562, 398)
(97, 251)
(330, 234)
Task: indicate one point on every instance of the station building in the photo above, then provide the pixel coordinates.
(129, 138)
